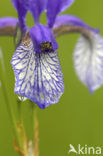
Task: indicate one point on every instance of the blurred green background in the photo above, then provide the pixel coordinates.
(78, 117)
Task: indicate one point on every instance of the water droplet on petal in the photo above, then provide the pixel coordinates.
(21, 98)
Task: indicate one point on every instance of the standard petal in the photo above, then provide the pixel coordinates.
(54, 7)
(37, 7)
(72, 21)
(22, 8)
(88, 60)
(38, 76)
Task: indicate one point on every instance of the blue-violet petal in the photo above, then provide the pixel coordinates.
(8, 21)
(72, 21)
(22, 8)
(38, 75)
(54, 7)
(37, 7)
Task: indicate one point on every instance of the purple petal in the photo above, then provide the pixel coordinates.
(54, 7)
(8, 21)
(72, 21)
(22, 8)
(37, 7)
(88, 60)
(40, 34)
(38, 75)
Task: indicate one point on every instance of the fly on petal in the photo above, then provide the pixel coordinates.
(38, 75)
(88, 60)
(43, 39)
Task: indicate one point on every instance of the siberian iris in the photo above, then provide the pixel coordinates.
(36, 65)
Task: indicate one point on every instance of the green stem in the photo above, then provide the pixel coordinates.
(9, 106)
(19, 106)
(36, 136)
(34, 115)
(33, 120)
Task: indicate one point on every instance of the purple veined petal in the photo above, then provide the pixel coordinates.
(8, 21)
(72, 21)
(40, 34)
(88, 61)
(54, 7)
(37, 7)
(38, 75)
(22, 8)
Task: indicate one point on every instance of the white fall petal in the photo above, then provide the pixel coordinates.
(38, 75)
(88, 60)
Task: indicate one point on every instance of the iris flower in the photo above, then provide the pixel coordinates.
(36, 65)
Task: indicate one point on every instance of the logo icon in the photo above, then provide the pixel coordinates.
(72, 149)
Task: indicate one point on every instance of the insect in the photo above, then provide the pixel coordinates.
(46, 46)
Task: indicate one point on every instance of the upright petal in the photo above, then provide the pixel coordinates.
(8, 25)
(37, 7)
(54, 7)
(88, 60)
(38, 75)
(22, 8)
(72, 21)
